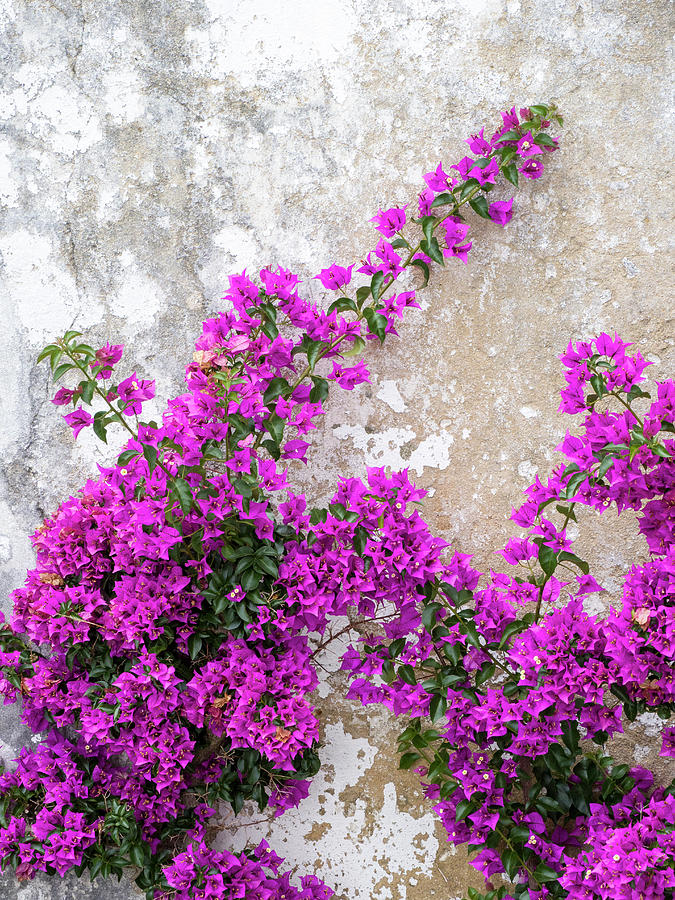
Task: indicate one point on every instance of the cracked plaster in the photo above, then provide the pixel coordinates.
(147, 149)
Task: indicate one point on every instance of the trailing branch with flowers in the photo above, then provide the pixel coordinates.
(161, 647)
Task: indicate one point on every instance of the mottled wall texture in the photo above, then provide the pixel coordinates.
(151, 147)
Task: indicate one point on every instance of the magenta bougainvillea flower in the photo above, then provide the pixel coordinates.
(335, 277)
(178, 597)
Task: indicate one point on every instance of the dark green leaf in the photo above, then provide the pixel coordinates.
(100, 426)
(377, 323)
(362, 294)
(442, 200)
(545, 873)
(408, 760)
(62, 369)
(424, 268)
(512, 628)
(463, 809)
(341, 304)
(485, 674)
(544, 140)
(87, 388)
(183, 493)
(275, 425)
(320, 390)
(429, 615)
(573, 558)
(480, 206)
(376, 285)
(468, 188)
(49, 350)
(433, 251)
(388, 674)
(511, 863)
(276, 388)
(510, 172)
(194, 645)
(437, 707)
(407, 674)
(428, 225)
(150, 454)
(548, 559)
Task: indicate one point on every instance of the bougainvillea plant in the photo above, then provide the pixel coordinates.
(161, 648)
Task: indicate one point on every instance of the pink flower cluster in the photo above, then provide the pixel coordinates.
(160, 646)
(514, 674)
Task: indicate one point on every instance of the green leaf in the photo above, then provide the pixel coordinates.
(388, 674)
(485, 674)
(265, 564)
(100, 425)
(150, 454)
(545, 873)
(341, 304)
(577, 561)
(377, 323)
(320, 390)
(357, 347)
(87, 388)
(509, 631)
(311, 349)
(318, 515)
(468, 188)
(574, 483)
(376, 285)
(69, 335)
(428, 225)
(429, 615)
(433, 251)
(605, 466)
(137, 855)
(443, 200)
(48, 351)
(275, 425)
(598, 385)
(437, 707)
(194, 645)
(544, 140)
(464, 807)
(276, 388)
(62, 369)
(548, 559)
(183, 492)
(408, 760)
(511, 863)
(510, 172)
(407, 674)
(539, 110)
(270, 329)
(480, 206)
(509, 136)
(424, 268)
(362, 294)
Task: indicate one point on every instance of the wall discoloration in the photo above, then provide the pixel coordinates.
(148, 149)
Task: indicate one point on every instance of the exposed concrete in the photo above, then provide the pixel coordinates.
(150, 148)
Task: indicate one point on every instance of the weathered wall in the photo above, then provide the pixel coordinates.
(151, 147)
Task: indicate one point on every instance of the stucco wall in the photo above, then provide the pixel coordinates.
(150, 148)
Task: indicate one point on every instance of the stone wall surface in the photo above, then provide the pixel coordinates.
(150, 148)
